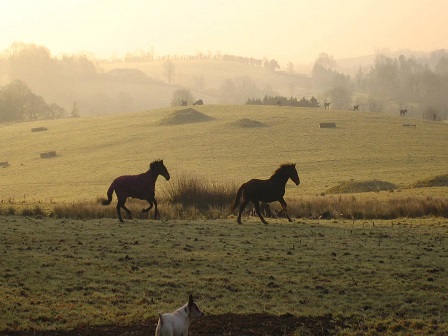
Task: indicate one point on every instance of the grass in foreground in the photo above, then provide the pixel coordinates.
(64, 273)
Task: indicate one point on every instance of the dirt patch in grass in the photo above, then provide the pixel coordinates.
(227, 324)
(437, 181)
(185, 116)
(248, 123)
(361, 186)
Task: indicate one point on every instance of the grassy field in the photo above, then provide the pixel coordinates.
(91, 152)
(339, 276)
(370, 277)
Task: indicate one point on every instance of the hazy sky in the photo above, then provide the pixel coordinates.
(287, 30)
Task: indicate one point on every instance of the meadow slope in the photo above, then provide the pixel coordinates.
(377, 276)
(91, 152)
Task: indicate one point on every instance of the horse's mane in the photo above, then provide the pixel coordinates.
(155, 163)
(284, 166)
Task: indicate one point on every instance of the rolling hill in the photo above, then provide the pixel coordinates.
(92, 151)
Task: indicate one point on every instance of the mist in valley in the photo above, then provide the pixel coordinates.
(37, 85)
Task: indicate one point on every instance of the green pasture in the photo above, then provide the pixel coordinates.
(91, 152)
(381, 275)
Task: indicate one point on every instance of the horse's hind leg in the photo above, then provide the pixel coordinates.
(119, 213)
(150, 207)
(156, 212)
(120, 204)
(284, 205)
(242, 206)
(257, 210)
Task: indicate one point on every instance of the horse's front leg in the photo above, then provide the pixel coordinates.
(284, 205)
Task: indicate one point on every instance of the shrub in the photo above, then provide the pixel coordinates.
(200, 193)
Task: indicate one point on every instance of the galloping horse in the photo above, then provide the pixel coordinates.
(267, 191)
(140, 186)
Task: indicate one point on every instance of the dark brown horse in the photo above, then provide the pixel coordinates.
(268, 191)
(140, 186)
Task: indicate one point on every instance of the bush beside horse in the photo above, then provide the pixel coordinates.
(140, 186)
(267, 191)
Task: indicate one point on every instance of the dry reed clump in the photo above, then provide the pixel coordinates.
(83, 210)
(352, 207)
(191, 191)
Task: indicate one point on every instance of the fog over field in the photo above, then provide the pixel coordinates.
(96, 58)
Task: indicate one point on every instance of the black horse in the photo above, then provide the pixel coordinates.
(267, 191)
(140, 186)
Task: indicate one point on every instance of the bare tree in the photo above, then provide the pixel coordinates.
(290, 68)
(169, 70)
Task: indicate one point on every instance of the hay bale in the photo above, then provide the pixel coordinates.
(48, 155)
(38, 129)
(327, 125)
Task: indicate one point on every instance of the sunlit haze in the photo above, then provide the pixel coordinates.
(287, 30)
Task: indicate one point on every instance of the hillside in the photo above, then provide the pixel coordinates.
(91, 152)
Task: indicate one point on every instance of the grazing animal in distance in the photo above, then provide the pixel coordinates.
(268, 191)
(198, 102)
(327, 105)
(183, 103)
(178, 322)
(356, 108)
(140, 186)
(403, 112)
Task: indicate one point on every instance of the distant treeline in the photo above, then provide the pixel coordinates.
(283, 101)
(18, 103)
(150, 56)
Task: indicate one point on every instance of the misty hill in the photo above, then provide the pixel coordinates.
(248, 123)
(390, 84)
(185, 116)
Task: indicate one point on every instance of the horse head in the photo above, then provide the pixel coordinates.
(294, 176)
(159, 168)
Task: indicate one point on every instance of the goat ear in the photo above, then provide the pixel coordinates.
(190, 300)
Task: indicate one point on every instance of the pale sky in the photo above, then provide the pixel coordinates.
(286, 30)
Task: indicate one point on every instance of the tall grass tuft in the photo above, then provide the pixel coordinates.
(200, 193)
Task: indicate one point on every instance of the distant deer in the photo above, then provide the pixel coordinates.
(356, 108)
(184, 103)
(403, 113)
(327, 105)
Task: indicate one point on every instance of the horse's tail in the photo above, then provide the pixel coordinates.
(110, 191)
(237, 198)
